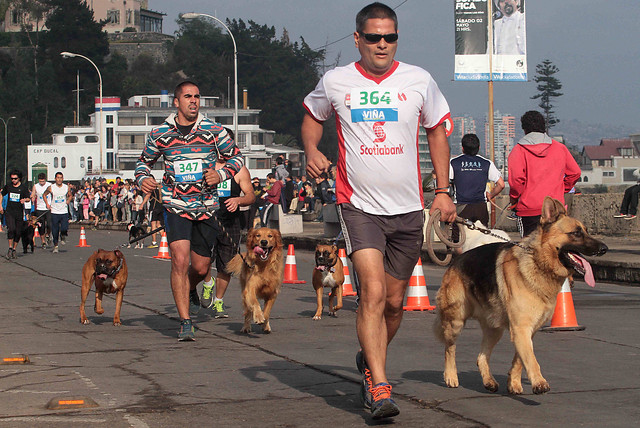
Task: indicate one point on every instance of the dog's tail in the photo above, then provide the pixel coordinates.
(234, 267)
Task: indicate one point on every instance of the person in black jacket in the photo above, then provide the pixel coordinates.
(18, 195)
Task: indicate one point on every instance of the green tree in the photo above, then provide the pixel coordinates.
(548, 88)
(72, 28)
(276, 73)
(35, 10)
(36, 86)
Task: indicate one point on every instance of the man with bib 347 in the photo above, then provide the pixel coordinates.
(380, 104)
(190, 145)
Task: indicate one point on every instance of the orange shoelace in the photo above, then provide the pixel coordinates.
(367, 378)
(381, 391)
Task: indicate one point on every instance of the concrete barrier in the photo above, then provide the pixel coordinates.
(287, 224)
(595, 210)
(331, 221)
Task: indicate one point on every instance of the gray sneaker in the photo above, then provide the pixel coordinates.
(366, 383)
(63, 240)
(186, 333)
(194, 302)
(218, 309)
(207, 296)
(55, 249)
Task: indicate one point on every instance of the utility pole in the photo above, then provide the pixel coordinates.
(76, 122)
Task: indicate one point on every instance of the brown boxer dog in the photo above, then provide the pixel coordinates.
(108, 270)
(328, 273)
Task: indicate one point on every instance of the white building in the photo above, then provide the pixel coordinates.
(122, 132)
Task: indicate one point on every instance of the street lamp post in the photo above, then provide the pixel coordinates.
(73, 55)
(6, 143)
(192, 15)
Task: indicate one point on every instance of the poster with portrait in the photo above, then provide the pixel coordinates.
(508, 60)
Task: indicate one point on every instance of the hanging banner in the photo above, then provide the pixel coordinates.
(472, 36)
(509, 60)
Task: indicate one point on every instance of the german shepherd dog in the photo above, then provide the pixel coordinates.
(503, 285)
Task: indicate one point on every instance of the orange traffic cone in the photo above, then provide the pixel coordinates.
(290, 268)
(564, 316)
(36, 234)
(347, 287)
(163, 250)
(83, 238)
(417, 297)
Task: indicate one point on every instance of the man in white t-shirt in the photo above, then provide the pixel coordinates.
(42, 208)
(380, 103)
(509, 31)
(60, 197)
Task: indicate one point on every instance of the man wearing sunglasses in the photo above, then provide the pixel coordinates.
(380, 103)
(18, 195)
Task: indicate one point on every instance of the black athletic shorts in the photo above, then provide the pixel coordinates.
(201, 233)
(473, 212)
(225, 249)
(158, 215)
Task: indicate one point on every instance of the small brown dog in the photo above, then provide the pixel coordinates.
(108, 269)
(328, 272)
(261, 272)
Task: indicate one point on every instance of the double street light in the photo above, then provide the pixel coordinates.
(6, 143)
(73, 55)
(193, 15)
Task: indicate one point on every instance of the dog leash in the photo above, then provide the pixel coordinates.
(449, 244)
(146, 235)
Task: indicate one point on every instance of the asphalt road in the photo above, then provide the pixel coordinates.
(303, 374)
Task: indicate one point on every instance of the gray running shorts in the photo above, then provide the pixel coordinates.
(398, 237)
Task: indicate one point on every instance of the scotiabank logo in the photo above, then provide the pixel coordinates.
(383, 150)
(379, 131)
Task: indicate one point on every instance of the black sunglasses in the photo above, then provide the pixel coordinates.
(15, 178)
(375, 38)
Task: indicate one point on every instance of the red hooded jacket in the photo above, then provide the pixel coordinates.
(539, 167)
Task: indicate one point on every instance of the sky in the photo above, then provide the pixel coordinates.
(594, 43)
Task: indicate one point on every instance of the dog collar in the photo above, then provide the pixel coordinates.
(119, 266)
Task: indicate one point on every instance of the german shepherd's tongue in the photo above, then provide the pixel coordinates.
(584, 267)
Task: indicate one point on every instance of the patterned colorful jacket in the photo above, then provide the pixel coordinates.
(186, 157)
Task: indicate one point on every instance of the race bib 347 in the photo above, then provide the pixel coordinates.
(188, 170)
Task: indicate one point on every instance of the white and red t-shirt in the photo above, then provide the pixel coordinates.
(378, 120)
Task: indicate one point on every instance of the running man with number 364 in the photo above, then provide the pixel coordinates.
(380, 103)
(190, 145)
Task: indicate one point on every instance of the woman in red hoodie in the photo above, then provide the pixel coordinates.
(538, 167)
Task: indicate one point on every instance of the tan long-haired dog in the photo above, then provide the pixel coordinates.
(507, 286)
(261, 272)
